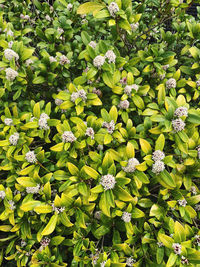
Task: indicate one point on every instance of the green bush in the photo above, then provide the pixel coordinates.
(99, 133)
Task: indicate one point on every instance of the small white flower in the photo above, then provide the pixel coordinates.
(10, 33)
(90, 132)
(177, 248)
(110, 55)
(181, 111)
(102, 264)
(33, 189)
(23, 243)
(13, 139)
(108, 181)
(178, 125)
(26, 17)
(92, 44)
(58, 210)
(45, 241)
(100, 147)
(193, 190)
(97, 215)
(158, 167)
(32, 119)
(64, 60)
(160, 244)
(124, 104)
(95, 258)
(98, 61)
(10, 54)
(110, 126)
(42, 122)
(113, 9)
(69, 6)
(58, 101)
(130, 261)
(184, 260)
(10, 44)
(131, 166)
(171, 83)
(29, 62)
(68, 137)
(134, 26)
(30, 157)
(126, 217)
(84, 21)
(52, 59)
(158, 155)
(12, 204)
(128, 89)
(2, 194)
(197, 207)
(8, 121)
(198, 83)
(165, 67)
(44, 116)
(82, 94)
(60, 30)
(182, 202)
(162, 76)
(11, 74)
(197, 237)
(47, 17)
(74, 96)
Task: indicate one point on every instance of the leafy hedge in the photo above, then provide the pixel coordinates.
(99, 133)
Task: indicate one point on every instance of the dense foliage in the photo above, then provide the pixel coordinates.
(99, 133)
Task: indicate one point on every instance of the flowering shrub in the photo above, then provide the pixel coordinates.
(99, 133)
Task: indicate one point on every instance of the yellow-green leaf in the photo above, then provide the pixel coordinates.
(50, 227)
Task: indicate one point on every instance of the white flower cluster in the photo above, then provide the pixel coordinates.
(126, 217)
(171, 83)
(100, 147)
(90, 132)
(58, 101)
(128, 89)
(130, 261)
(45, 241)
(42, 122)
(124, 104)
(181, 111)
(160, 244)
(52, 59)
(197, 237)
(158, 155)
(95, 257)
(60, 30)
(110, 126)
(29, 62)
(131, 166)
(197, 207)
(102, 264)
(8, 121)
(23, 243)
(64, 60)
(113, 9)
(92, 44)
(12, 204)
(97, 92)
(193, 190)
(10, 44)
(97, 215)
(165, 67)
(134, 26)
(11, 74)
(68, 137)
(81, 93)
(13, 139)
(10, 54)
(108, 181)
(47, 17)
(9, 32)
(110, 55)
(182, 202)
(177, 248)
(198, 83)
(31, 157)
(69, 6)
(58, 210)
(2, 194)
(25, 17)
(98, 61)
(33, 189)
(184, 260)
(178, 125)
(124, 81)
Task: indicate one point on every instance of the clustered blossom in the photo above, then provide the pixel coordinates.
(158, 155)
(134, 26)
(124, 104)
(113, 9)
(8, 121)
(92, 44)
(97, 92)
(131, 166)
(102, 264)
(52, 59)
(110, 126)
(10, 44)
(197, 207)
(58, 210)
(100, 147)
(181, 111)
(11, 74)
(13, 139)
(29, 62)
(184, 260)
(123, 80)
(58, 101)
(97, 215)
(128, 89)
(45, 241)
(160, 244)
(95, 258)
(60, 30)
(110, 55)
(23, 243)
(98, 61)
(177, 248)
(126, 217)
(108, 181)
(33, 189)
(165, 67)
(158, 167)
(9, 32)
(193, 190)
(68, 137)
(178, 125)
(64, 60)
(2, 194)
(198, 83)
(81, 93)
(90, 132)
(26, 17)
(69, 6)
(182, 202)
(171, 83)
(10, 54)
(130, 261)
(42, 122)
(12, 204)
(197, 237)
(31, 157)
(47, 17)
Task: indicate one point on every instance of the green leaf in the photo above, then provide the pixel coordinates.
(159, 255)
(43, 209)
(50, 227)
(38, 80)
(145, 146)
(167, 178)
(91, 172)
(138, 101)
(4, 143)
(160, 143)
(122, 194)
(85, 37)
(30, 205)
(89, 7)
(58, 147)
(166, 240)
(179, 232)
(108, 79)
(72, 169)
(172, 259)
(27, 170)
(137, 213)
(27, 53)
